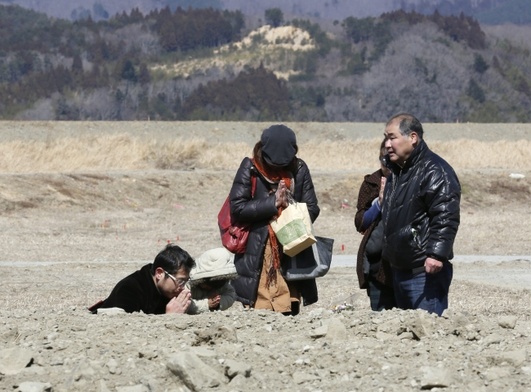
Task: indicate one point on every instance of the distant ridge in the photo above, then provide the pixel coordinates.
(502, 11)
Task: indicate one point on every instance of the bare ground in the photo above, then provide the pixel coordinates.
(68, 236)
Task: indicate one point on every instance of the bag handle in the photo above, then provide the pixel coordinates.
(253, 185)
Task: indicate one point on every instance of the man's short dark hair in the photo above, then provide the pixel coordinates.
(407, 123)
(172, 258)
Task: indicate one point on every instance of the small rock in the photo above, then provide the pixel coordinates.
(111, 311)
(234, 368)
(508, 322)
(31, 386)
(112, 365)
(495, 373)
(515, 358)
(193, 372)
(14, 359)
(319, 332)
(435, 377)
(336, 330)
(302, 377)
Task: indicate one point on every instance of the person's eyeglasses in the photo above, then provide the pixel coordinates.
(178, 282)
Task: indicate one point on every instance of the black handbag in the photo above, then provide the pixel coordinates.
(311, 263)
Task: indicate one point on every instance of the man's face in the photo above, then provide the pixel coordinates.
(398, 146)
(171, 285)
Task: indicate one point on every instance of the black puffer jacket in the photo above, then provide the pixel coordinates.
(420, 210)
(258, 211)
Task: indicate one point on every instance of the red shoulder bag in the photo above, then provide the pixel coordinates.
(234, 235)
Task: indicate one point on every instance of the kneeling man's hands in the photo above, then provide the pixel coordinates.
(181, 303)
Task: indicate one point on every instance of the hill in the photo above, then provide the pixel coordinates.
(486, 11)
(199, 64)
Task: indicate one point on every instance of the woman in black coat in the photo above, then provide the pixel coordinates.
(278, 171)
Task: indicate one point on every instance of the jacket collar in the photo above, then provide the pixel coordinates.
(416, 155)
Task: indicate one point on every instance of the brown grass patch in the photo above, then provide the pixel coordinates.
(125, 152)
(517, 190)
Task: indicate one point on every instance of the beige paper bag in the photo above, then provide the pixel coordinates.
(293, 229)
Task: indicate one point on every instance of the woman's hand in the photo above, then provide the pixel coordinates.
(213, 302)
(281, 195)
(383, 180)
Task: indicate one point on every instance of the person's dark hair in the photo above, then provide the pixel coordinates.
(383, 150)
(171, 259)
(407, 123)
(257, 154)
(384, 158)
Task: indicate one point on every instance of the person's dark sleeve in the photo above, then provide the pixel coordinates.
(127, 295)
(245, 207)
(370, 215)
(367, 193)
(443, 200)
(308, 194)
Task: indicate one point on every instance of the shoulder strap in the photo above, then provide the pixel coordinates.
(253, 183)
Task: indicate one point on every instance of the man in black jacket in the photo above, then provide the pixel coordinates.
(156, 288)
(421, 216)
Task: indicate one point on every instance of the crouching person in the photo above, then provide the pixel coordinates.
(210, 281)
(156, 288)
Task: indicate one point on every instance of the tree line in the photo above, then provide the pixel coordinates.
(443, 67)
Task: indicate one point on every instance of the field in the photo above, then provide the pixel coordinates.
(84, 204)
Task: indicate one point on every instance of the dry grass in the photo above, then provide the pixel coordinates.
(473, 154)
(69, 154)
(126, 152)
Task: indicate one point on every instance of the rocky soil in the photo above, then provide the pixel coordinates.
(69, 236)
